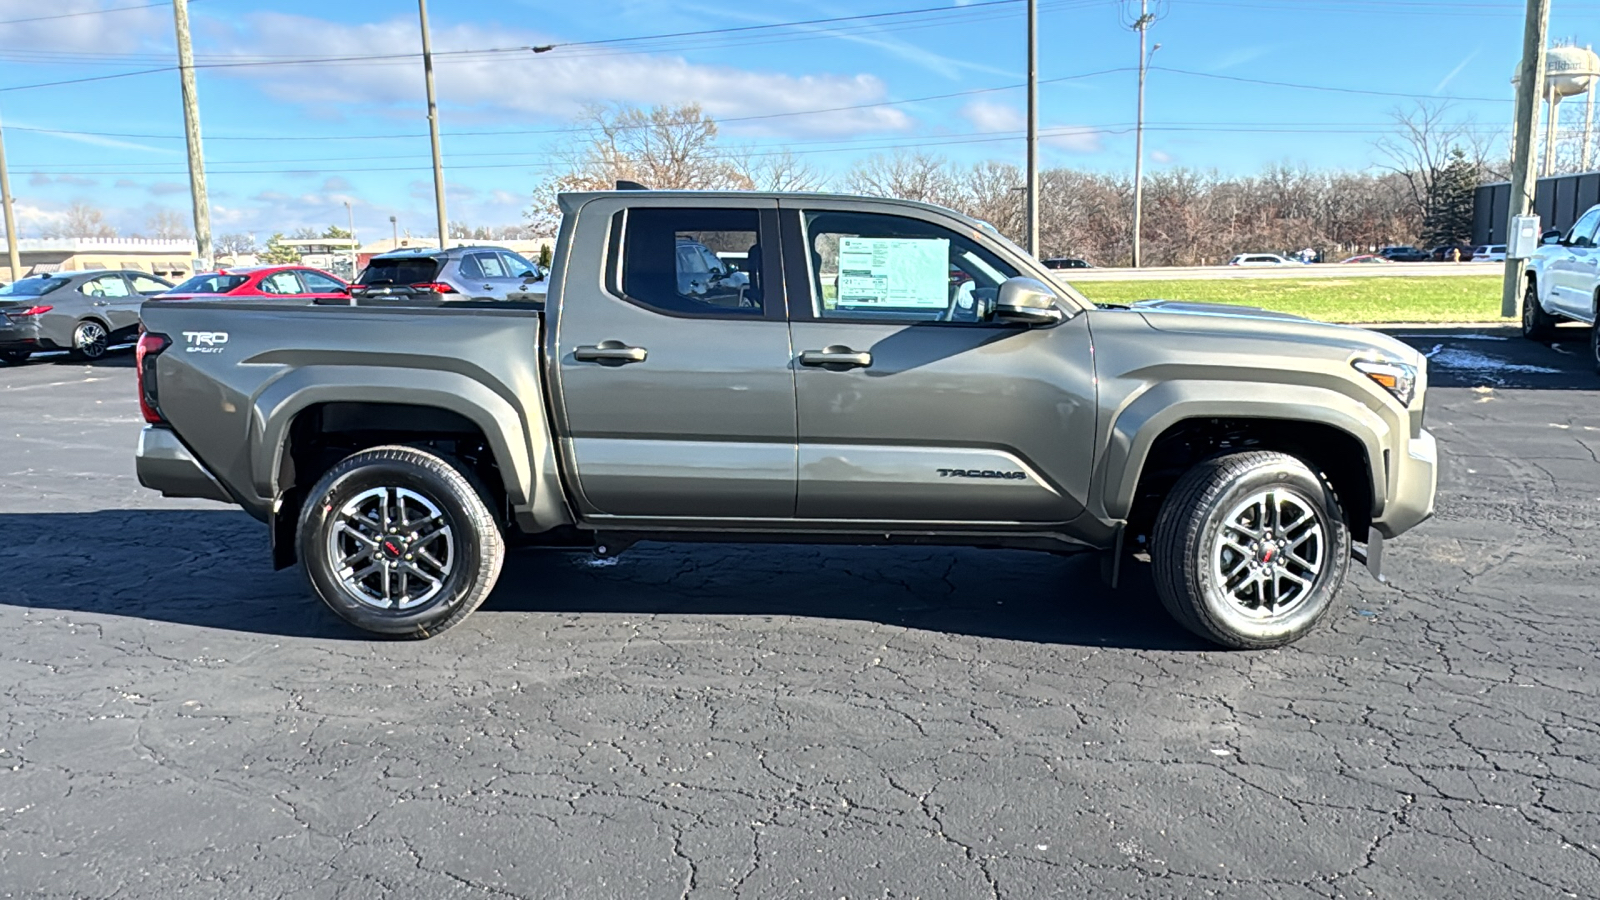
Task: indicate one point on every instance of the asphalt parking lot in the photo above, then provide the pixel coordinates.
(719, 721)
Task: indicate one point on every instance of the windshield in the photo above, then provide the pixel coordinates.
(210, 284)
(400, 270)
(31, 287)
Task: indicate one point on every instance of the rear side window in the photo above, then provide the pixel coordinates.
(319, 283)
(281, 283)
(401, 270)
(209, 284)
(693, 261)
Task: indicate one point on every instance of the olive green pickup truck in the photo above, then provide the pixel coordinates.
(792, 368)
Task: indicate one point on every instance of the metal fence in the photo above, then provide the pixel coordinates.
(1559, 202)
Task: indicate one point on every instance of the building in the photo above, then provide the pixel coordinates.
(1558, 203)
(173, 260)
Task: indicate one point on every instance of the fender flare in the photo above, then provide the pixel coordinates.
(1137, 426)
(276, 407)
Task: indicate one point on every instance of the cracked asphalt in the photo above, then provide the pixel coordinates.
(720, 721)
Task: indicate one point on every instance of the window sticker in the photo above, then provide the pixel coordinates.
(906, 273)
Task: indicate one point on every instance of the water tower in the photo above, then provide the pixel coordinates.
(1569, 71)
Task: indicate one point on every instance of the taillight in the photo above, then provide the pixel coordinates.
(30, 311)
(437, 287)
(149, 347)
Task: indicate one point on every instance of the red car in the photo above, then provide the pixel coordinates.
(287, 282)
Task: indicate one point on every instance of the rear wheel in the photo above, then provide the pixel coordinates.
(1594, 344)
(1250, 549)
(89, 340)
(1537, 325)
(14, 357)
(399, 542)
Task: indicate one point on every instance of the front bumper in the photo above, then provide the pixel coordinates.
(166, 465)
(1413, 481)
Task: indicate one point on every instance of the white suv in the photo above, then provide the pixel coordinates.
(1563, 282)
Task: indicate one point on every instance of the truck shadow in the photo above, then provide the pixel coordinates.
(209, 569)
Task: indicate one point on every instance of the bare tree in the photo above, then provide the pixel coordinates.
(1420, 149)
(236, 244)
(168, 224)
(668, 147)
(81, 221)
(906, 175)
(781, 171)
(993, 192)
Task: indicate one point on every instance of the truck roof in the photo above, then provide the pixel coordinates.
(573, 200)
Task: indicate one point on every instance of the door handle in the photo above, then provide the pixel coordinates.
(843, 357)
(610, 352)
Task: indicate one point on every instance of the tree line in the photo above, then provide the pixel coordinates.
(1420, 193)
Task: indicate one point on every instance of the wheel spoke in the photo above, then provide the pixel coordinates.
(1269, 551)
(391, 547)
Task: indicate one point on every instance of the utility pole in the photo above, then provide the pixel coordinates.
(11, 216)
(1530, 81)
(191, 132)
(1141, 25)
(433, 126)
(1033, 128)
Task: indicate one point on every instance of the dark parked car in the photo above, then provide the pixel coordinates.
(82, 312)
(1442, 253)
(1066, 262)
(459, 273)
(1404, 254)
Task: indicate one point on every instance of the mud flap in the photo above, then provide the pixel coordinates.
(1372, 555)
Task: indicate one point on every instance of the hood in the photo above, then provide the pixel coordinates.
(1248, 322)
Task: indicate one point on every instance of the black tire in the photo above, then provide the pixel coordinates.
(1537, 325)
(15, 357)
(473, 545)
(1186, 553)
(90, 338)
(1594, 344)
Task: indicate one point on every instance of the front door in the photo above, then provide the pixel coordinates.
(914, 405)
(1573, 272)
(676, 391)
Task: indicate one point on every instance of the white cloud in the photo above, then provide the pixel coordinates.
(556, 85)
(1160, 156)
(987, 116)
(1073, 138)
(39, 179)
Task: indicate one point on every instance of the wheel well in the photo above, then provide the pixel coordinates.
(322, 435)
(1339, 457)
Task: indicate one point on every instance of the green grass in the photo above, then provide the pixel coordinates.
(1467, 298)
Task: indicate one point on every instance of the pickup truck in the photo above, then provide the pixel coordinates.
(1562, 282)
(887, 372)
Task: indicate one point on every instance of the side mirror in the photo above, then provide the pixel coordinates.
(1553, 236)
(1027, 300)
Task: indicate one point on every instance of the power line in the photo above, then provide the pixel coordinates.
(87, 12)
(1318, 87)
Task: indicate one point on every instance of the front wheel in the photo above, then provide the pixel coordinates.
(1594, 344)
(1537, 325)
(1249, 550)
(399, 542)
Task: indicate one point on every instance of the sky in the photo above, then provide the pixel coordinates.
(308, 106)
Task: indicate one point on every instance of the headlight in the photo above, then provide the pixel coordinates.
(1397, 378)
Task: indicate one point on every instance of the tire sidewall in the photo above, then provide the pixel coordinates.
(1215, 604)
(1530, 305)
(350, 478)
(78, 344)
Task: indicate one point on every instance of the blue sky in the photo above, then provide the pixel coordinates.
(288, 144)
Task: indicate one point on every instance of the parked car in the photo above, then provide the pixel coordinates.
(1066, 262)
(1563, 283)
(1263, 259)
(1367, 258)
(1451, 253)
(1248, 452)
(1489, 253)
(1403, 254)
(81, 312)
(455, 274)
(275, 282)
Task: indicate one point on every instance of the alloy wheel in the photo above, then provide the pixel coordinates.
(1269, 553)
(391, 548)
(90, 340)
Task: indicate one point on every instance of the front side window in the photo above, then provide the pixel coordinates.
(871, 266)
(144, 284)
(318, 283)
(516, 265)
(1583, 232)
(669, 260)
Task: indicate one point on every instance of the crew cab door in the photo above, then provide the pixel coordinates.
(1575, 270)
(675, 399)
(914, 404)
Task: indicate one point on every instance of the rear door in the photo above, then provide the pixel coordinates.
(914, 405)
(674, 404)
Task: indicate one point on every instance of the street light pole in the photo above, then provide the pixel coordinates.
(1142, 25)
(433, 126)
(1033, 128)
(1524, 181)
